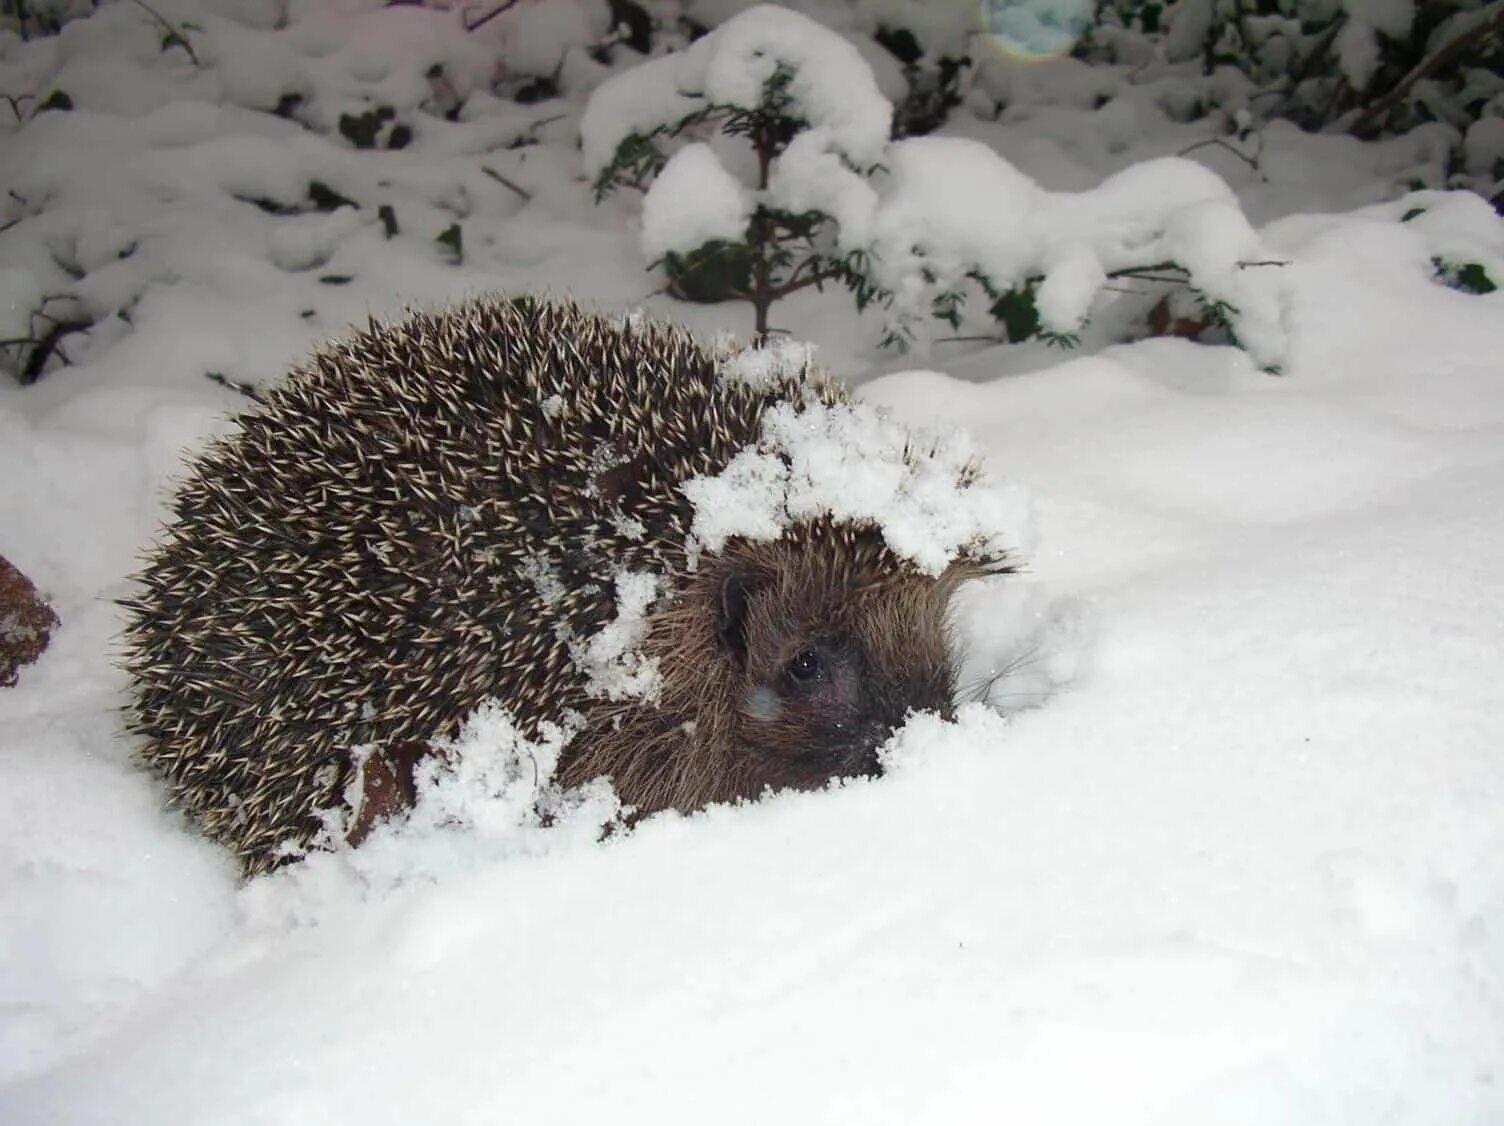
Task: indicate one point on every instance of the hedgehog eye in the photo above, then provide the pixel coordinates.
(806, 667)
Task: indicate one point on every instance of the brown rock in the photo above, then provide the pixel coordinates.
(26, 622)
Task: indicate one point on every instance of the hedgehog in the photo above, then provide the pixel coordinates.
(436, 511)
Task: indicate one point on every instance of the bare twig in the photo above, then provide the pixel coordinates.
(472, 24)
(1313, 59)
(1491, 23)
(1251, 161)
(43, 347)
(176, 35)
(15, 103)
(504, 182)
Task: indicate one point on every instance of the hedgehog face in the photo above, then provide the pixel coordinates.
(827, 663)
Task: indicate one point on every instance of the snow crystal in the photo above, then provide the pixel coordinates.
(694, 200)
(543, 578)
(777, 360)
(612, 661)
(854, 464)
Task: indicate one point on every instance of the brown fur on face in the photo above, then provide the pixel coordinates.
(782, 667)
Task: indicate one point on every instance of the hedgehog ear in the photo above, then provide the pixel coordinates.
(731, 613)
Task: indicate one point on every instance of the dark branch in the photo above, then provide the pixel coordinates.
(1367, 122)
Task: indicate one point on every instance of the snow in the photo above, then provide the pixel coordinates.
(952, 207)
(638, 100)
(694, 200)
(773, 362)
(927, 493)
(1357, 48)
(831, 86)
(1228, 852)
(533, 38)
(611, 660)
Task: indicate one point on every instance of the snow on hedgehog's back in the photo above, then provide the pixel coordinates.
(730, 577)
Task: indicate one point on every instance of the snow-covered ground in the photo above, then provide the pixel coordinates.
(1232, 855)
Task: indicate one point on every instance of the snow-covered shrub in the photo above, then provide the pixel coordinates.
(28, 18)
(954, 220)
(1367, 67)
(784, 178)
(320, 138)
(770, 111)
(934, 61)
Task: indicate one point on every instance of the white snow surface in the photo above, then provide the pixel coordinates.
(1224, 849)
(693, 201)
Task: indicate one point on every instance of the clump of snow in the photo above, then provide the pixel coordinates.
(831, 86)
(534, 36)
(1484, 146)
(1190, 25)
(776, 360)
(612, 660)
(543, 578)
(926, 493)
(311, 240)
(483, 796)
(694, 200)
(950, 204)
(925, 736)
(635, 101)
(810, 175)
(1456, 227)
